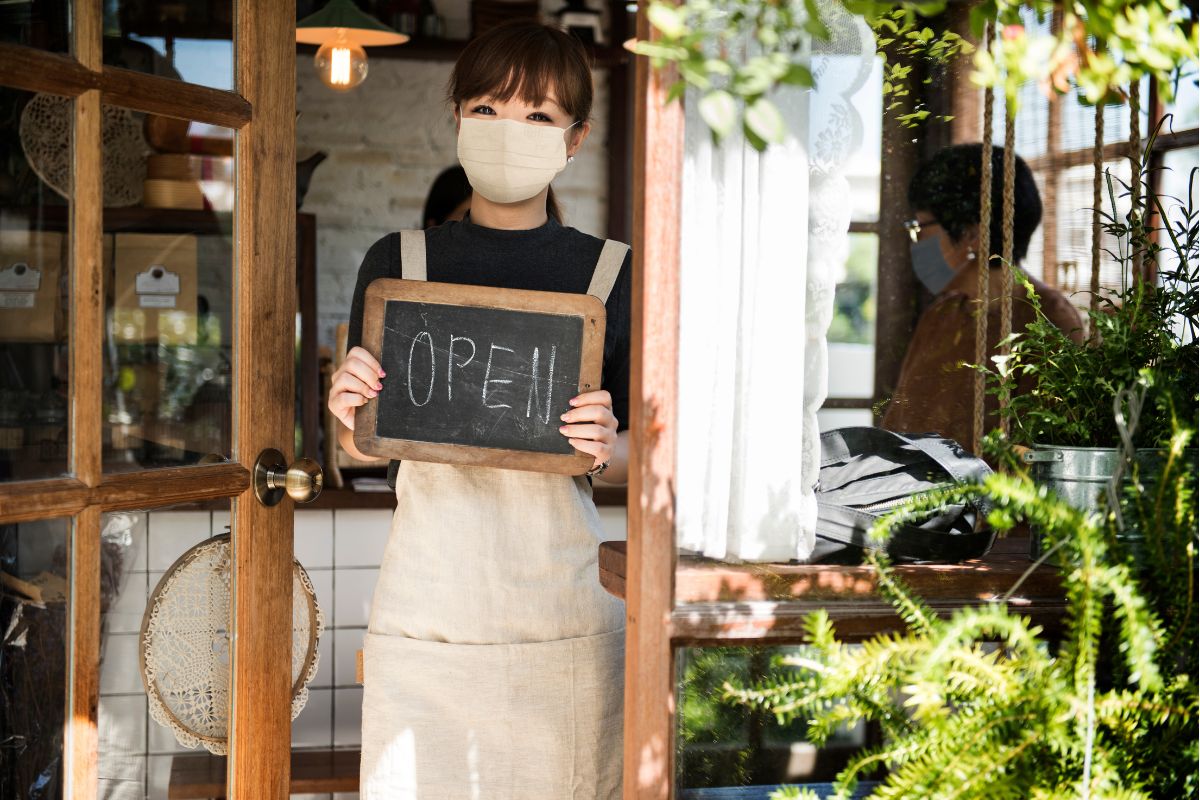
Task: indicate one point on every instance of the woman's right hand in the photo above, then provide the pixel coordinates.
(357, 380)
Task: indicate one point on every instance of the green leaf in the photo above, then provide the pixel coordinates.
(719, 111)
(798, 75)
(667, 18)
(764, 119)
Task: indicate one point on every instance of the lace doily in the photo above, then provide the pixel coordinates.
(45, 132)
(185, 645)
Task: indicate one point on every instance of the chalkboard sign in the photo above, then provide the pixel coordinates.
(478, 376)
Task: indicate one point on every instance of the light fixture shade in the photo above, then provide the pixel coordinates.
(344, 18)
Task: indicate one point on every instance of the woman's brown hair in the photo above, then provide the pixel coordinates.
(526, 59)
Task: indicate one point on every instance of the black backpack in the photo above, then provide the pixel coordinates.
(867, 472)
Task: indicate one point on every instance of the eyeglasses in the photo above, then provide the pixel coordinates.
(914, 227)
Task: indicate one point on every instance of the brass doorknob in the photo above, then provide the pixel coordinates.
(302, 481)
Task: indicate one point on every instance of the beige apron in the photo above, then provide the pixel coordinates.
(494, 662)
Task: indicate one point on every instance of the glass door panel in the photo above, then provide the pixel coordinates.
(44, 24)
(168, 257)
(138, 548)
(190, 41)
(34, 631)
(35, 180)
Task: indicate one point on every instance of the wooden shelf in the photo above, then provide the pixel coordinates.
(723, 604)
(449, 50)
(132, 218)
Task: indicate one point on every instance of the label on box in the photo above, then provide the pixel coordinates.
(20, 277)
(17, 299)
(156, 300)
(157, 287)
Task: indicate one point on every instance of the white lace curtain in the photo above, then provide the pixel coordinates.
(764, 239)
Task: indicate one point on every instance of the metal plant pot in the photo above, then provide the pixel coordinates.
(1080, 476)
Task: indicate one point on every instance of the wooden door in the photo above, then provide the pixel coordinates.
(69, 224)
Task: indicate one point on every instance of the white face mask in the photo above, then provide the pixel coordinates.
(508, 161)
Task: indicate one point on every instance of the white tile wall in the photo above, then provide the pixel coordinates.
(120, 670)
(322, 582)
(158, 773)
(325, 666)
(352, 595)
(171, 533)
(347, 717)
(313, 541)
(313, 728)
(360, 536)
(125, 613)
(348, 642)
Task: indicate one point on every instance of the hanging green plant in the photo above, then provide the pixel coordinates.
(737, 53)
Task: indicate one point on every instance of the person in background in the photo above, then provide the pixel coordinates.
(935, 390)
(449, 198)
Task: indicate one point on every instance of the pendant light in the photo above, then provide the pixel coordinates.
(342, 31)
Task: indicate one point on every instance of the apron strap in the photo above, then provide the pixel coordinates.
(412, 255)
(608, 266)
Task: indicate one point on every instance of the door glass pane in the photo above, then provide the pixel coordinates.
(44, 24)
(35, 151)
(139, 548)
(721, 743)
(33, 647)
(190, 40)
(168, 249)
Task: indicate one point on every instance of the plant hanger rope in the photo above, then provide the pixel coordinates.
(1097, 188)
(1006, 246)
(1135, 173)
(985, 248)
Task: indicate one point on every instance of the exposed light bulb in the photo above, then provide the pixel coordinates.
(342, 64)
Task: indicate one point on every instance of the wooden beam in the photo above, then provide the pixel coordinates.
(81, 738)
(169, 487)
(264, 399)
(155, 94)
(34, 70)
(81, 741)
(23, 501)
(649, 657)
(897, 289)
(767, 624)
(64, 497)
(723, 604)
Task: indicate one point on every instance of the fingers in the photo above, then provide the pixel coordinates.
(598, 450)
(601, 397)
(348, 382)
(364, 371)
(593, 413)
(361, 354)
(598, 433)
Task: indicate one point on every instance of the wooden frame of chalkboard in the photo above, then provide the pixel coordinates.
(414, 327)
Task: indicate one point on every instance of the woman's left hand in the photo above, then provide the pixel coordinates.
(590, 425)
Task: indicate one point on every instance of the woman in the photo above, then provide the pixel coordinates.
(493, 660)
(935, 389)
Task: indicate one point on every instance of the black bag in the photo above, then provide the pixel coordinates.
(867, 472)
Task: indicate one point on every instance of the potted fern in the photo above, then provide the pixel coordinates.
(983, 704)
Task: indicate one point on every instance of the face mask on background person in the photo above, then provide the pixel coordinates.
(930, 265)
(508, 161)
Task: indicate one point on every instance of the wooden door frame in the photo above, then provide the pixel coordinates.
(649, 751)
(260, 714)
(262, 107)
